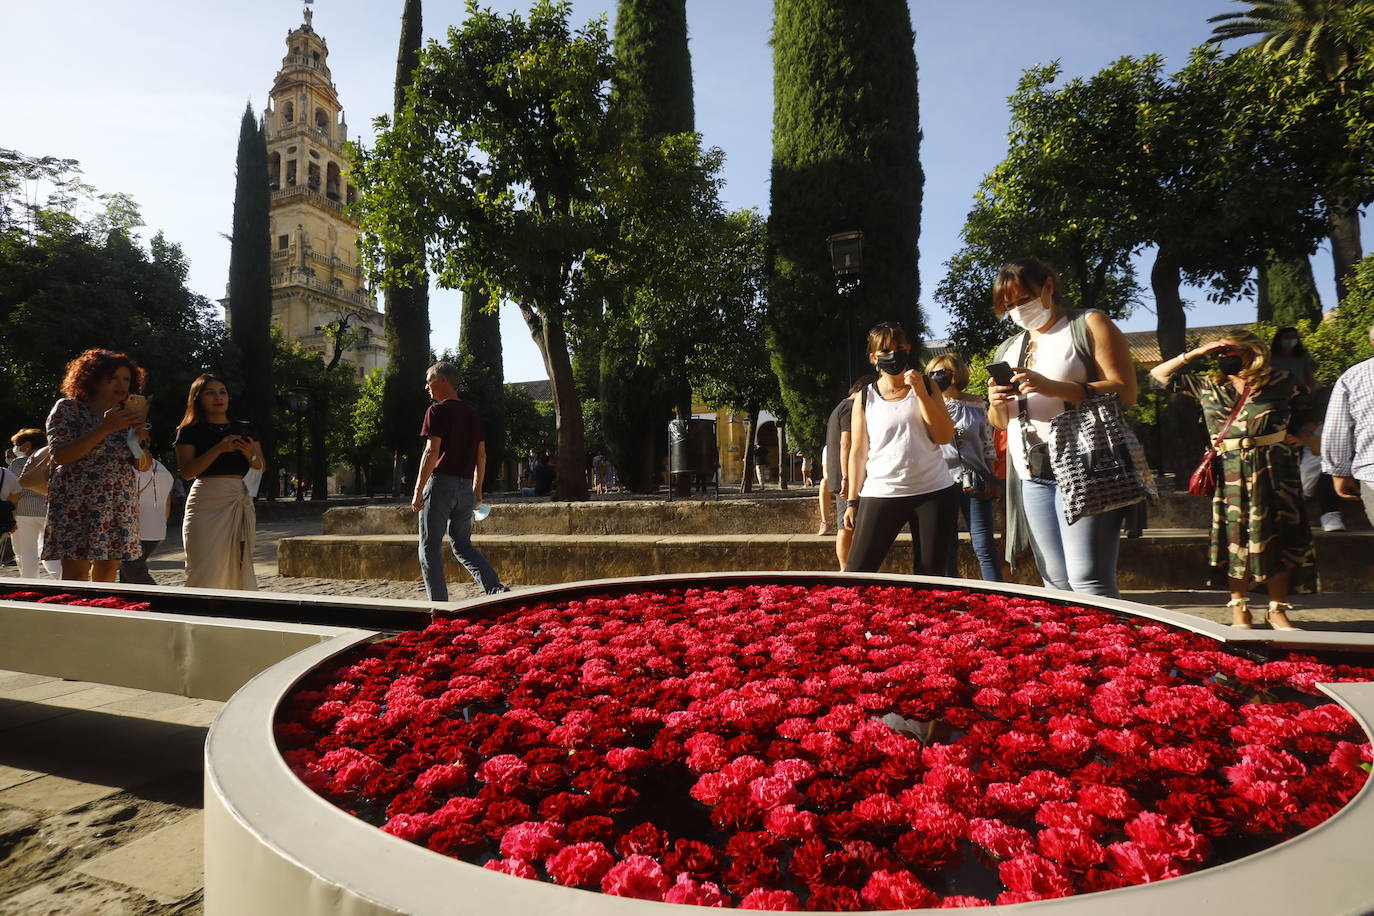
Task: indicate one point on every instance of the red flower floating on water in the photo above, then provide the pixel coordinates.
(841, 748)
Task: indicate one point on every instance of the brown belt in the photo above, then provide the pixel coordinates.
(1230, 445)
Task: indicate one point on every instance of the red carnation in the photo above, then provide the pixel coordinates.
(897, 890)
(762, 899)
(1035, 875)
(694, 893)
(532, 840)
(517, 867)
(580, 865)
(636, 876)
(1139, 865)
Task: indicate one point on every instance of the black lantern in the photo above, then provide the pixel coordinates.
(847, 255)
(847, 260)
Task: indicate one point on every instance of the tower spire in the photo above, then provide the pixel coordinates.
(309, 13)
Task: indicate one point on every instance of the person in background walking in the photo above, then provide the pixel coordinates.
(219, 528)
(1260, 530)
(154, 505)
(897, 476)
(449, 484)
(970, 458)
(835, 470)
(92, 521)
(1061, 357)
(31, 513)
(1287, 353)
(1348, 436)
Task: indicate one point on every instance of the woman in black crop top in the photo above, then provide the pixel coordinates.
(215, 452)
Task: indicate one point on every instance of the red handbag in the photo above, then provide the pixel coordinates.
(1204, 479)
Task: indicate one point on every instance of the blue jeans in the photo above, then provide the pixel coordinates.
(448, 506)
(981, 515)
(1080, 557)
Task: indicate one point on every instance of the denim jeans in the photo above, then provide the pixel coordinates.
(1080, 557)
(448, 507)
(981, 515)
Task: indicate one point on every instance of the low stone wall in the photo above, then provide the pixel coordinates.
(700, 517)
(1160, 560)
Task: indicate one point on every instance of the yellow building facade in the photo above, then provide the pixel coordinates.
(317, 279)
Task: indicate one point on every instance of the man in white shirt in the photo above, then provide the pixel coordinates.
(10, 492)
(1348, 436)
(154, 505)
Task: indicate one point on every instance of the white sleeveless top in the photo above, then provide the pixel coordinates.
(1052, 355)
(902, 461)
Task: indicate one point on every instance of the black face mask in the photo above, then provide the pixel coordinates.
(1230, 365)
(894, 362)
(942, 380)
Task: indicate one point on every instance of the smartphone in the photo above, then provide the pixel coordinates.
(1000, 373)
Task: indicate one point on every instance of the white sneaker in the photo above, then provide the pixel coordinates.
(1332, 521)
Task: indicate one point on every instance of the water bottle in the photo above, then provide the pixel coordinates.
(481, 512)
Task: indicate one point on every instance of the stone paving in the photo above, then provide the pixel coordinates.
(101, 787)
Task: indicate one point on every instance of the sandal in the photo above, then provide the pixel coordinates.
(1240, 613)
(1278, 615)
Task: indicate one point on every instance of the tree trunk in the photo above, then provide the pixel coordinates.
(751, 426)
(1172, 328)
(1343, 220)
(552, 339)
(319, 456)
(784, 459)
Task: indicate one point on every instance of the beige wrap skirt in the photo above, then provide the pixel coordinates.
(218, 534)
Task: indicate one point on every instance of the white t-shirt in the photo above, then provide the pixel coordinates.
(1053, 356)
(154, 488)
(902, 459)
(10, 490)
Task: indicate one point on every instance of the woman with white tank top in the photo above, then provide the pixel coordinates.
(1060, 358)
(897, 474)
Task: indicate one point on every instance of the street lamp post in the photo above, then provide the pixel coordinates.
(846, 260)
(298, 402)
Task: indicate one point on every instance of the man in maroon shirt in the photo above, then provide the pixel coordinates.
(449, 485)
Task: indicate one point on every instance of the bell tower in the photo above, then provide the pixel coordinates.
(318, 287)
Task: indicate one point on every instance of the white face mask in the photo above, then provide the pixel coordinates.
(1031, 316)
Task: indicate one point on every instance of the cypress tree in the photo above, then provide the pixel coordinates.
(479, 350)
(846, 155)
(407, 307)
(653, 93)
(250, 287)
(1288, 292)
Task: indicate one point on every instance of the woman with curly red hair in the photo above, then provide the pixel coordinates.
(93, 494)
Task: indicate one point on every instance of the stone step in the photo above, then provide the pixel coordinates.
(1162, 559)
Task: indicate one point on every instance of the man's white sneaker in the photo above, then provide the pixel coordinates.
(1332, 521)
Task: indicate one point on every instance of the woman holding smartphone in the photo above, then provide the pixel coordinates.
(1059, 359)
(216, 452)
(897, 475)
(92, 519)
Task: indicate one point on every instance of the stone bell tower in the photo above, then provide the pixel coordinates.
(317, 283)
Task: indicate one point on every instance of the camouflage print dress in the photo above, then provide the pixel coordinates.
(1259, 519)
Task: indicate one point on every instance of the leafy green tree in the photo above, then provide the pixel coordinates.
(1333, 37)
(328, 425)
(407, 300)
(1195, 165)
(846, 137)
(531, 425)
(729, 368)
(368, 449)
(64, 290)
(652, 94)
(1286, 291)
(499, 161)
(250, 284)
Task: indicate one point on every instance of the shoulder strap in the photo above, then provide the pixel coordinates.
(1082, 340)
(1005, 347)
(1240, 402)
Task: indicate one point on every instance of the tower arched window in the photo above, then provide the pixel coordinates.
(274, 171)
(313, 177)
(331, 182)
(289, 112)
(321, 120)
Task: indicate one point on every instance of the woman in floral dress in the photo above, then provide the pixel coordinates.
(93, 494)
(1260, 530)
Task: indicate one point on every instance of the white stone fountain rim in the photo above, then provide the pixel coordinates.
(355, 868)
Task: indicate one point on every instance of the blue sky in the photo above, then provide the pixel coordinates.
(148, 95)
